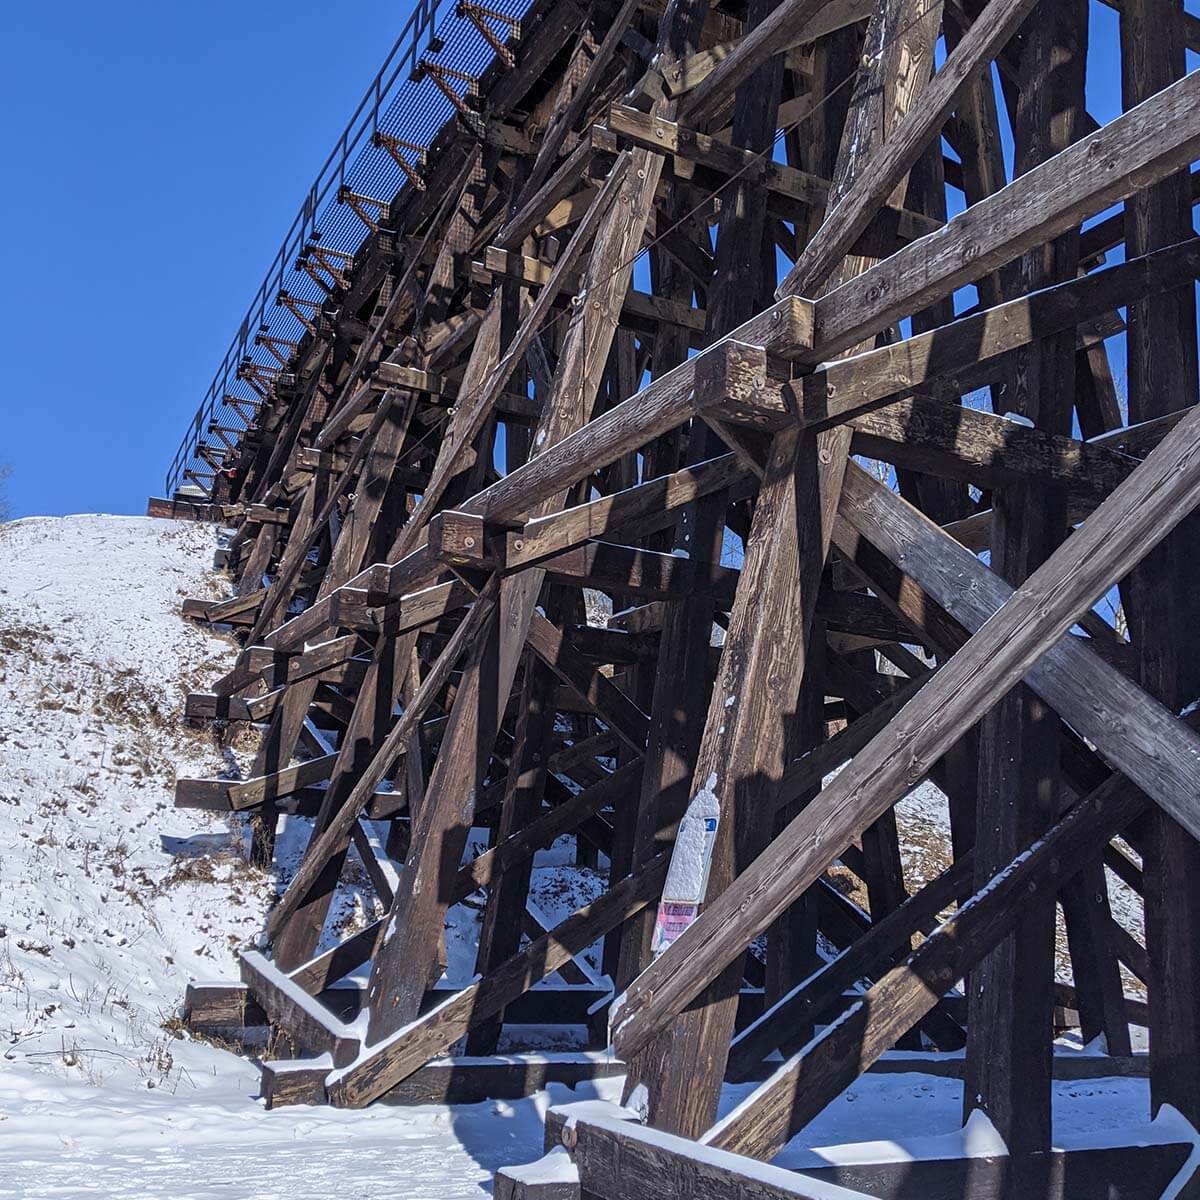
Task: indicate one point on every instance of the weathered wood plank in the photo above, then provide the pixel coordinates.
(838, 389)
(783, 329)
(292, 1009)
(1161, 597)
(620, 1160)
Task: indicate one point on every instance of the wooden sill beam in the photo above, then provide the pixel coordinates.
(293, 1010)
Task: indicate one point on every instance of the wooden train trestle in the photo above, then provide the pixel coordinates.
(673, 311)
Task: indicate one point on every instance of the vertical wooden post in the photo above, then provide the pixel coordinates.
(1163, 589)
(684, 649)
(1011, 1000)
(730, 816)
(500, 933)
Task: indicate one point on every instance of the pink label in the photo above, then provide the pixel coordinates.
(673, 918)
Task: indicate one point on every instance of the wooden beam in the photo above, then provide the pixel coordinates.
(406, 957)
(659, 407)
(904, 145)
(777, 179)
(956, 442)
(1160, 595)
(689, 73)
(742, 752)
(811, 998)
(332, 838)
(539, 539)
(836, 391)
(1091, 695)
(766, 39)
(619, 1160)
(239, 795)
(610, 704)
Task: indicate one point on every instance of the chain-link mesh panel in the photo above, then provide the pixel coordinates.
(394, 104)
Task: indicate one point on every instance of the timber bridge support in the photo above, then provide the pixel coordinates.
(676, 432)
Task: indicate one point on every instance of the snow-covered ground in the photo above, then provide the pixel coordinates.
(111, 900)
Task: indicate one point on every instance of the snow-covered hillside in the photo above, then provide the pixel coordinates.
(111, 900)
(104, 882)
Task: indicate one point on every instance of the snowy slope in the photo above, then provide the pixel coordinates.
(111, 898)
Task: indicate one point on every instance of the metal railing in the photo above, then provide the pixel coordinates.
(396, 104)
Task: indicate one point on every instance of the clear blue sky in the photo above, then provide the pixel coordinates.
(154, 156)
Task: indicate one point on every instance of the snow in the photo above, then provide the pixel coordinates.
(910, 1110)
(555, 1167)
(111, 898)
(692, 854)
(1083, 1120)
(638, 1102)
(1019, 419)
(134, 1146)
(978, 1138)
